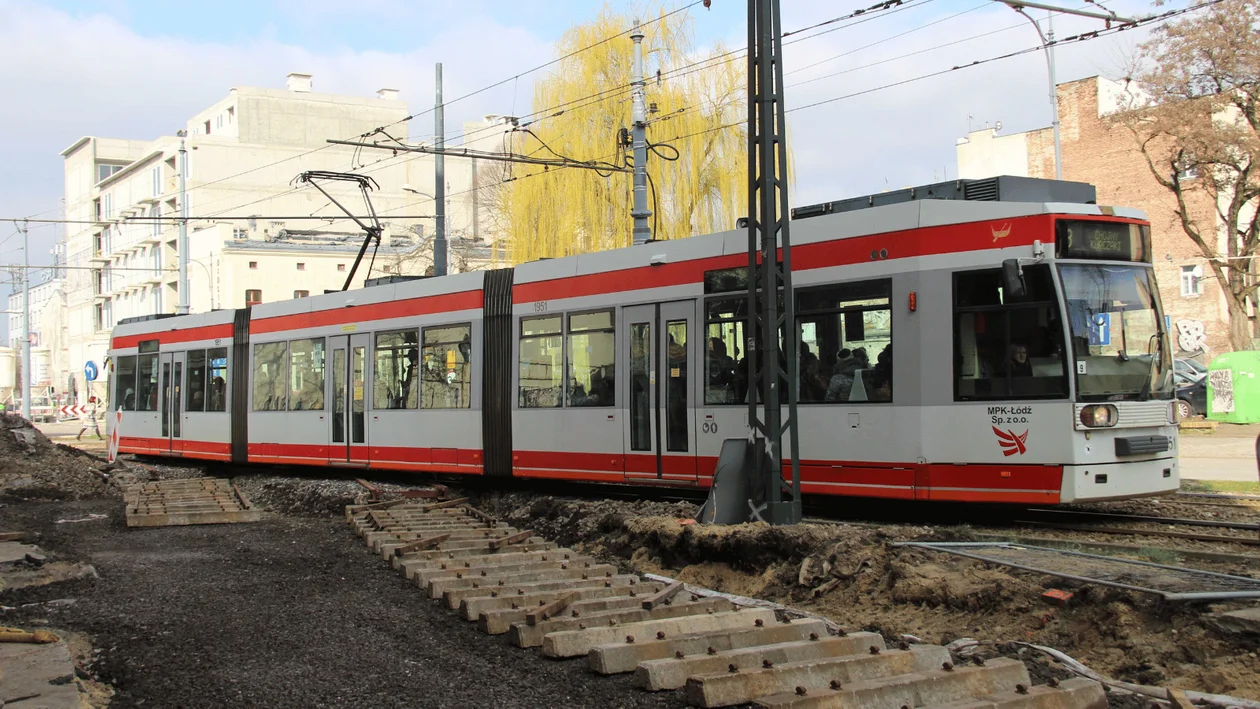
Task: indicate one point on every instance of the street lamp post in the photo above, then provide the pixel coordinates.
(1047, 44)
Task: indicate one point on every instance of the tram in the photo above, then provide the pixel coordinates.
(994, 340)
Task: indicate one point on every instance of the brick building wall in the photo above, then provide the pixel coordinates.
(1106, 155)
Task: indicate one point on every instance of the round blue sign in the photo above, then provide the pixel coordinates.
(89, 371)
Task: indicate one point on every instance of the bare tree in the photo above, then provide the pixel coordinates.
(1195, 119)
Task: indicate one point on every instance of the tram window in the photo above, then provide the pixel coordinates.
(270, 370)
(125, 383)
(446, 367)
(1007, 348)
(725, 372)
(397, 367)
(306, 375)
(196, 390)
(541, 362)
(147, 382)
(592, 359)
(844, 337)
(216, 399)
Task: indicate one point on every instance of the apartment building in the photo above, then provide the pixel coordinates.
(1097, 151)
(255, 233)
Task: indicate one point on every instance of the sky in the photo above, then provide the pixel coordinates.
(139, 68)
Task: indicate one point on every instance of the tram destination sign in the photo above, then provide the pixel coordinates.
(1105, 241)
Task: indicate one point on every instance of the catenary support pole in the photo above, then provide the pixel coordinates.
(638, 140)
(182, 309)
(26, 323)
(772, 371)
(439, 181)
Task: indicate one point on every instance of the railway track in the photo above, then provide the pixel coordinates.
(1123, 524)
(719, 650)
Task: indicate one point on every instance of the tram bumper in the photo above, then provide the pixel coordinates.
(1120, 479)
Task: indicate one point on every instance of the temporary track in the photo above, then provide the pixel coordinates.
(165, 503)
(717, 651)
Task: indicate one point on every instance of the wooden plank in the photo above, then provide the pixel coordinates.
(421, 544)
(549, 610)
(474, 512)
(663, 596)
(457, 502)
(12, 536)
(497, 544)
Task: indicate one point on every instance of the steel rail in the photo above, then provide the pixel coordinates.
(1143, 532)
(1118, 517)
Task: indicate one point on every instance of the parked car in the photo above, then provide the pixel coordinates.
(1189, 367)
(1191, 394)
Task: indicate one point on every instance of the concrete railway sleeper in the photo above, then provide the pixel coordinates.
(717, 652)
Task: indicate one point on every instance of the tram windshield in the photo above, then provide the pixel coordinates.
(1119, 343)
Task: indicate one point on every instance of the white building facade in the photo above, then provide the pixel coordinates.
(255, 234)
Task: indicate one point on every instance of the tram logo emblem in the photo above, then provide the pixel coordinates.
(1012, 443)
(1002, 233)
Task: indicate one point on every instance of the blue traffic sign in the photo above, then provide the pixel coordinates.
(1100, 330)
(89, 371)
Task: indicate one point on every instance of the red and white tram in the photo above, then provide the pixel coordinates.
(925, 372)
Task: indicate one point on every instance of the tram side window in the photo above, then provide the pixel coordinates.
(844, 334)
(147, 382)
(541, 362)
(195, 392)
(125, 383)
(306, 375)
(1007, 348)
(397, 368)
(216, 400)
(725, 370)
(592, 359)
(270, 376)
(446, 367)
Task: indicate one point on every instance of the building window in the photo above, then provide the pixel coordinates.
(591, 359)
(1191, 281)
(207, 127)
(253, 297)
(301, 294)
(253, 264)
(107, 206)
(844, 333)
(301, 266)
(541, 363)
(218, 121)
(341, 267)
(270, 376)
(104, 171)
(1005, 347)
(397, 368)
(157, 181)
(231, 114)
(446, 372)
(239, 234)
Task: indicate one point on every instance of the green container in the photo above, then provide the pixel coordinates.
(1233, 388)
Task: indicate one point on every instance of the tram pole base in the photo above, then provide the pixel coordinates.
(731, 497)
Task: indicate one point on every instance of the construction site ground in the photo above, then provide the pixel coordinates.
(293, 611)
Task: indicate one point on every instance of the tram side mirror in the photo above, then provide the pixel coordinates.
(1012, 279)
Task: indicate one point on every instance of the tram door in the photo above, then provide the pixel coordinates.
(661, 350)
(347, 373)
(170, 401)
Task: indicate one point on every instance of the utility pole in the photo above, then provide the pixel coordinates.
(1047, 46)
(638, 141)
(439, 181)
(772, 381)
(26, 323)
(183, 226)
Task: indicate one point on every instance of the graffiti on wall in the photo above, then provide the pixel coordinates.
(1191, 336)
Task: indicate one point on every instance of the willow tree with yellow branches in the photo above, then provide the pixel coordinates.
(698, 179)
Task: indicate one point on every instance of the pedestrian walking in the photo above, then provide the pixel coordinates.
(89, 420)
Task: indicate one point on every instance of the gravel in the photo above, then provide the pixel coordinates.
(288, 612)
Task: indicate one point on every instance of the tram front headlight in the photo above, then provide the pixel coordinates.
(1099, 416)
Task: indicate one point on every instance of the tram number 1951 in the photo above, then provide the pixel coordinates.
(540, 306)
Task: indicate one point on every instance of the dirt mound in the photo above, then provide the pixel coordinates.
(32, 467)
(315, 498)
(854, 575)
